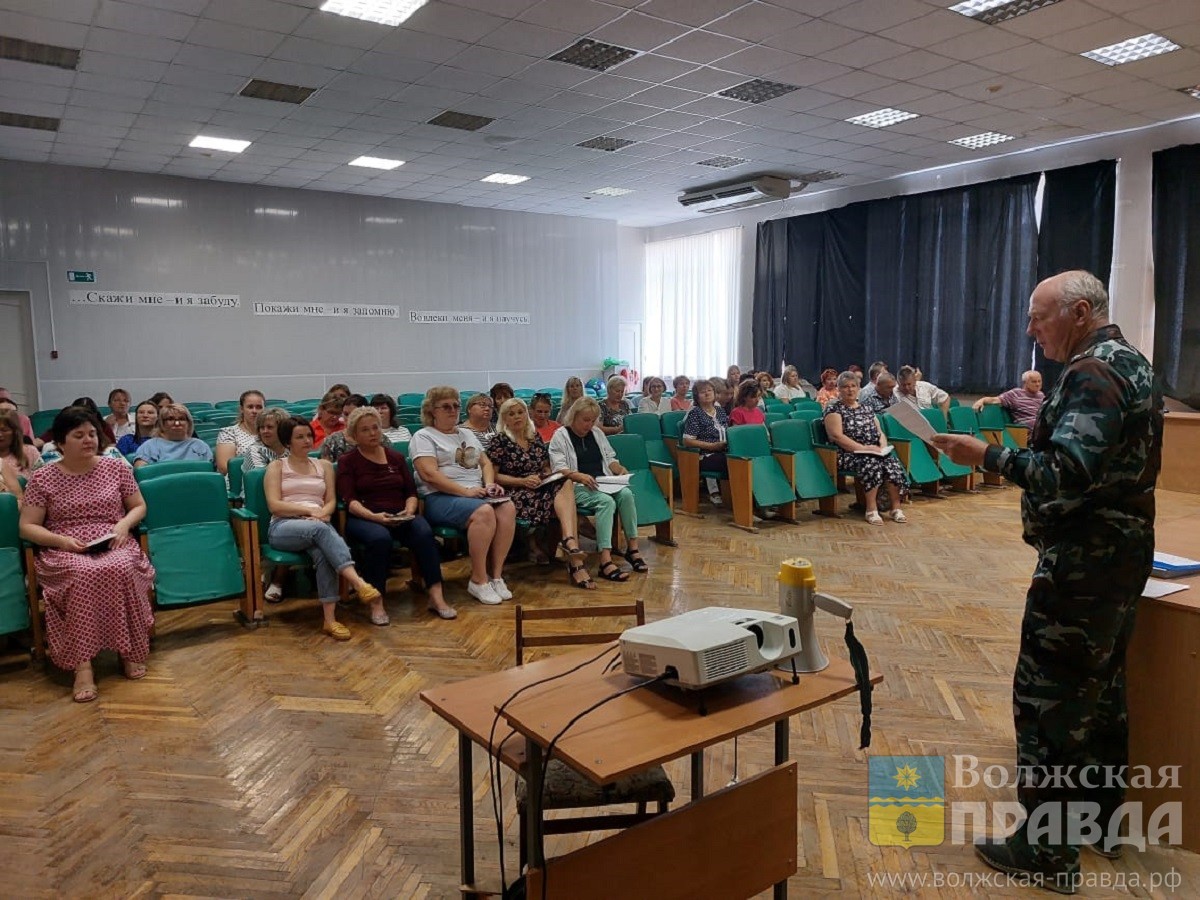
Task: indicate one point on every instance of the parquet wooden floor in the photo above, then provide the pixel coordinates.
(278, 763)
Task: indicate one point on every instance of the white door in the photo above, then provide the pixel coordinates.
(629, 347)
(17, 372)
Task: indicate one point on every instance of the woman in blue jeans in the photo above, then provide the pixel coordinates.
(300, 495)
(380, 494)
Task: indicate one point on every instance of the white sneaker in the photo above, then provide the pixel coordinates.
(483, 593)
(501, 589)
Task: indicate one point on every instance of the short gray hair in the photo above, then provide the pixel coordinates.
(582, 405)
(846, 378)
(1081, 285)
(616, 379)
(885, 378)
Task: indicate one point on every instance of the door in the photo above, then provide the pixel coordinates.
(17, 372)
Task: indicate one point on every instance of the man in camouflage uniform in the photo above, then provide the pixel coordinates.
(1088, 509)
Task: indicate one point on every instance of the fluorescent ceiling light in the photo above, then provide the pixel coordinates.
(163, 202)
(113, 231)
(204, 142)
(376, 162)
(979, 141)
(385, 12)
(992, 12)
(611, 192)
(382, 220)
(882, 118)
(274, 211)
(975, 7)
(1131, 50)
(501, 178)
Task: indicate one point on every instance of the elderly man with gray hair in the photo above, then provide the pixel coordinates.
(1023, 402)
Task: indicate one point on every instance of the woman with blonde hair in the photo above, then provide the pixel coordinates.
(653, 401)
(791, 386)
(522, 463)
(615, 407)
(236, 439)
(481, 413)
(581, 451)
(458, 483)
(572, 391)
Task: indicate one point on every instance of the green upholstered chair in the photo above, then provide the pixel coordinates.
(235, 479)
(922, 470)
(756, 476)
(808, 473)
(649, 427)
(201, 549)
(170, 467)
(964, 421)
(961, 477)
(16, 598)
(651, 482)
(264, 556)
(998, 427)
(691, 471)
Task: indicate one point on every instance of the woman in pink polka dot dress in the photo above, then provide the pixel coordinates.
(94, 600)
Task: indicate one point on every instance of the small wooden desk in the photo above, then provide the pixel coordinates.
(628, 734)
(1163, 679)
(1180, 450)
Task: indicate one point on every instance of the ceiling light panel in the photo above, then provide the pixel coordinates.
(385, 12)
(979, 141)
(992, 12)
(1131, 50)
(501, 178)
(274, 90)
(819, 176)
(722, 162)
(611, 192)
(607, 144)
(594, 55)
(228, 145)
(276, 211)
(759, 90)
(160, 202)
(461, 121)
(21, 120)
(376, 162)
(882, 118)
(39, 54)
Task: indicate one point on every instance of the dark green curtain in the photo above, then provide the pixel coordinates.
(1079, 207)
(1176, 227)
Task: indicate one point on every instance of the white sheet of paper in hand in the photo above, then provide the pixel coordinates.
(910, 417)
(611, 484)
(1155, 588)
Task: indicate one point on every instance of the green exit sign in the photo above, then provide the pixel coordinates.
(88, 277)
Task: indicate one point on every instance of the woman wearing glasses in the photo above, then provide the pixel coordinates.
(175, 439)
(458, 484)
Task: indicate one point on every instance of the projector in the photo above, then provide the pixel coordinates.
(708, 646)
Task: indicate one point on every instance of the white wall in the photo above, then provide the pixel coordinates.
(564, 271)
(1132, 279)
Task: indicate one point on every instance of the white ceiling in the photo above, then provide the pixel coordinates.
(155, 73)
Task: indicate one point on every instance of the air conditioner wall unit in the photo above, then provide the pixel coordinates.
(725, 198)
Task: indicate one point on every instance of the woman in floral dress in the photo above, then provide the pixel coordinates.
(94, 600)
(859, 439)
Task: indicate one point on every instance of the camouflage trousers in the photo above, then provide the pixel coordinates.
(1069, 702)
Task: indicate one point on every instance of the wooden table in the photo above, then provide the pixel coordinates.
(628, 734)
(1163, 679)
(1180, 450)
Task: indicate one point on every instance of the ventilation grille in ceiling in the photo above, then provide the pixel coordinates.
(819, 175)
(757, 91)
(594, 55)
(42, 54)
(722, 162)
(461, 121)
(607, 144)
(20, 120)
(273, 90)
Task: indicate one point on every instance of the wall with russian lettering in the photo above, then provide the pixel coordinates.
(205, 288)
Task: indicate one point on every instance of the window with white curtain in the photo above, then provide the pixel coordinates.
(692, 301)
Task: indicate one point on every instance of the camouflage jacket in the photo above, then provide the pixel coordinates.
(1095, 450)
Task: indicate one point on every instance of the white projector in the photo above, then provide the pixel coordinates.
(708, 646)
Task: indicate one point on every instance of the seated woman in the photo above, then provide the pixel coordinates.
(615, 407)
(791, 385)
(723, 394)
(540, 408)
(118, 420)
(162, 400)
(499, 392)
(704, 428)
(145, 419)
(681, 402)
(340, 442)
(328, 419)
(733, 377)
(393, 431)
(458, 484)
(94, 601)
(581, 451)
(175, 440)
(858, 436)
(300, 494)
(237, 439)
(653, 401)
(481, 414)
(746, 410)
(261, 454)
(18, 457)
(829, 387)
(380, 494)
(522, 461)
(572, 391)
(766, 384)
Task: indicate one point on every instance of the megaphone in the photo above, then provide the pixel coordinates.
(799, 598)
